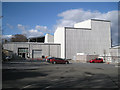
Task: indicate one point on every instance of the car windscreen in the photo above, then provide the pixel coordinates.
(98, 58)
(50, 58)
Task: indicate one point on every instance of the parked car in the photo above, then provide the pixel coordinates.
(54, 60)
(48, 59)
(96, 60)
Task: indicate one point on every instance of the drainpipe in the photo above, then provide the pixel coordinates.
(49, 50)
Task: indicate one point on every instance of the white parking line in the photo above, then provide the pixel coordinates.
(27, 86)
(117, 66)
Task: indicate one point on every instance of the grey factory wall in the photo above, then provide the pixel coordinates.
(47, 49)
(95, 41)
(115, 54)
(101, 31)
(77, 41)
(85, 58)
(34, 47)
(14, 46)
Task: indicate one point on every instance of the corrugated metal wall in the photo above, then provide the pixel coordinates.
(96, 40)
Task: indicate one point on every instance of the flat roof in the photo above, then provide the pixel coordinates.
(36, 37)
(77, 28)
(100, 20)
(33, 43)
(86, 20)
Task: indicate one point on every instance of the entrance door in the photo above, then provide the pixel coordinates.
(24, 55)
(37, 54)
(23, 52)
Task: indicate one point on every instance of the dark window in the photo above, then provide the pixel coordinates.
(37, 39)
(56, 58)
(23, 52)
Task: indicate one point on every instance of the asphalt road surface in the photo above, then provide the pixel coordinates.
(36, 74)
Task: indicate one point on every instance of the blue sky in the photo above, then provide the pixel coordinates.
(38, 18)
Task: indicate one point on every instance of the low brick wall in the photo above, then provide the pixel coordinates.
(85, 58)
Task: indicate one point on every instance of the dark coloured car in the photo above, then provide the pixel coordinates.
(58, 60)
(96, 60)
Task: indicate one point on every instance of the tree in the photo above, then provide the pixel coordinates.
(18, 38)
(4, 40)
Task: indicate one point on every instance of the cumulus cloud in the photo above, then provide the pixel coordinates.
(37, 31)
(43, 29)
(20, 26)
(70, 17)
(9, 26)
(34, 33)
(6, 36)
(30, 32)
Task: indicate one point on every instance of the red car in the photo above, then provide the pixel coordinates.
(48, 59)
(96, 60)
(58, 60)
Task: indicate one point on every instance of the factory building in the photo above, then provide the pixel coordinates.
(91, 37)
(33, 50)
(36, 47)
(115, 54)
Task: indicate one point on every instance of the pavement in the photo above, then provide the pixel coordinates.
(43, 75)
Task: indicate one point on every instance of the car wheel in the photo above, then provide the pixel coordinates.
(93, 62)
(54, 62)
(101, 61)
(66, 62)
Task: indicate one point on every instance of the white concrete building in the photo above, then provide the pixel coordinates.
(49, 38)
(92, 37)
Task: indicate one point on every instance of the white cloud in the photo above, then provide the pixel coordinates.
(20, 26)
(72, 16)
(38, 31)
(41, 27)
(34, 33)
(10, 26)
(6, 36)
(23, 28)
